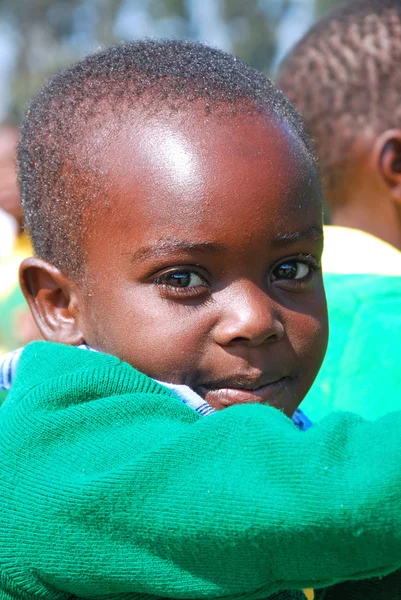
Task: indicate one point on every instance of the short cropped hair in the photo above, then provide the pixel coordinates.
(156, 74)
(344, 76)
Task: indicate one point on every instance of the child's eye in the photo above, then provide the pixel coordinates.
(294, 269)
(182, 282)
(181, 279)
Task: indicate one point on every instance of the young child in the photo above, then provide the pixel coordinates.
(344, 78)
(175, 210)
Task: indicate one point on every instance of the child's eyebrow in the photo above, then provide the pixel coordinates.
(165, 247)
(313, 233)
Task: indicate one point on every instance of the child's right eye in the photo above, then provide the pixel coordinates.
(182, 282)
(181, 279)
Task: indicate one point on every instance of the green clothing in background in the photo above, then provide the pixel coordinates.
(13, 308)
(111, 487)
(362, 368)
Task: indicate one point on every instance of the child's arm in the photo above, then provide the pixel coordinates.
(103, 491)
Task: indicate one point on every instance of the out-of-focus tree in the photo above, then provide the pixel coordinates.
(323, 6)
(252, 32)
(49, 34)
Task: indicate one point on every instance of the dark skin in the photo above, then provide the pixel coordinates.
(204, 269)
(364, 192)
(9, 193)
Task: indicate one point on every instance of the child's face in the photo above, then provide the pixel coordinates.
(204, 267)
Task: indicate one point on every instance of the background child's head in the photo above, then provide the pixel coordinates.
(175, 208)
(344, 78)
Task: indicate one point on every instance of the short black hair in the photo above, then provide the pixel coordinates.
(147, 73)
(344, 76)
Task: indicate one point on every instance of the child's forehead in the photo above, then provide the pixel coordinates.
(201, 177)
(180, 145)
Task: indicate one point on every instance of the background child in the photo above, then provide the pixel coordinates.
(344, 78)
(175, 210)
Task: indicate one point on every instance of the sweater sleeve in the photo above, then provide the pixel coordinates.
(106, 492)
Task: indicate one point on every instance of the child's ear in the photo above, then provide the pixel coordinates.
(53, 301)
(387, 156)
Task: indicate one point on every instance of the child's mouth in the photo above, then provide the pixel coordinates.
(222, 396)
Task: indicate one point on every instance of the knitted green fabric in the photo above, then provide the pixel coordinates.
(111, 487)
(361, 371)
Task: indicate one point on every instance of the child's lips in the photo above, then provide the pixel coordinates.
(223, 396)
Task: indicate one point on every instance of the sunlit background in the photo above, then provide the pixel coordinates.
(38, 37)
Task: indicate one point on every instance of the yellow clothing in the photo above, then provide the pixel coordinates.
(9, 265)
(351, 251)
(15, 318)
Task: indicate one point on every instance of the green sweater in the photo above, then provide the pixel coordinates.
(111, 487)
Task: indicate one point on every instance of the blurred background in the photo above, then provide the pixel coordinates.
(38, 37)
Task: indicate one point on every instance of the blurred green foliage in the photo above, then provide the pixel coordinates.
(49, 34)
(323, 6)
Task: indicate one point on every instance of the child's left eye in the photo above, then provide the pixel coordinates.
(292, 269)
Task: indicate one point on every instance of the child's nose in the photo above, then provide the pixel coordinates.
(249, 317)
